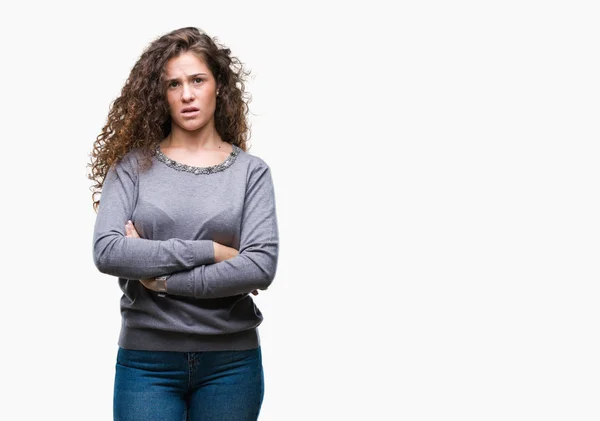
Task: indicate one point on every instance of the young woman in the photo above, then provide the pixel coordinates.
(187, 222)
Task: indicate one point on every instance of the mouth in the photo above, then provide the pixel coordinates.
(190, 110)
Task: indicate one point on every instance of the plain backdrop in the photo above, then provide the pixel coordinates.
(436, 174)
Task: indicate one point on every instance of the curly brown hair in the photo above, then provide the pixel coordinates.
(139, 117)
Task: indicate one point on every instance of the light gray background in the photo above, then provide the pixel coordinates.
(436, 174)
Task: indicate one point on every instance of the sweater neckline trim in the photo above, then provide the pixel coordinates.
(199, 170)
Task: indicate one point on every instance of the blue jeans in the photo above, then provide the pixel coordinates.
(192, 386)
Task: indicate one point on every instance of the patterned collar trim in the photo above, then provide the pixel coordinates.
(199, 170)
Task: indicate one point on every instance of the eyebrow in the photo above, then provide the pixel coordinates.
(189, 77)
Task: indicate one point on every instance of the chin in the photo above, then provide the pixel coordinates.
(191, 126)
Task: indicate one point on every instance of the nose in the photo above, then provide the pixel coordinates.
(187, 94)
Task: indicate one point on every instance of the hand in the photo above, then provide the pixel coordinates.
(154, 285)
(130, 230)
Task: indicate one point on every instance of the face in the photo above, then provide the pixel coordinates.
(190, 91)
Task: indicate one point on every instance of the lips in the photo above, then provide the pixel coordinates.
(189, 110)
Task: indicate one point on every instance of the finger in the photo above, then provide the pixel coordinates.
(130, 230)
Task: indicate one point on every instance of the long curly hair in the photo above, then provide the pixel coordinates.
(139, 117)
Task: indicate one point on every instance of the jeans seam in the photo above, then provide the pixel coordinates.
(190, 358)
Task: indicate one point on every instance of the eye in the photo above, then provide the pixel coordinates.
(173, 84)
(197, 79)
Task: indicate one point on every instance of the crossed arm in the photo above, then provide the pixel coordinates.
(197, 268)
(221, 253)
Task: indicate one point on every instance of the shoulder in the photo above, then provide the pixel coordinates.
(132, 158)
(258, 171)
(254, 162)
(128, 165)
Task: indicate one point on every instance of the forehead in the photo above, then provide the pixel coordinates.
(185, 64)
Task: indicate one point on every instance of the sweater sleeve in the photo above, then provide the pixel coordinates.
(255, 265)
(137, 258)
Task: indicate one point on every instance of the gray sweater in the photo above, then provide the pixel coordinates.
(178, 210)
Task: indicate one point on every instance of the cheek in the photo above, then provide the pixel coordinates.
(170, 101)
(210, 100)
(172, 107)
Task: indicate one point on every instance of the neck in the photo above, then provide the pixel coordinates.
(203, 138)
